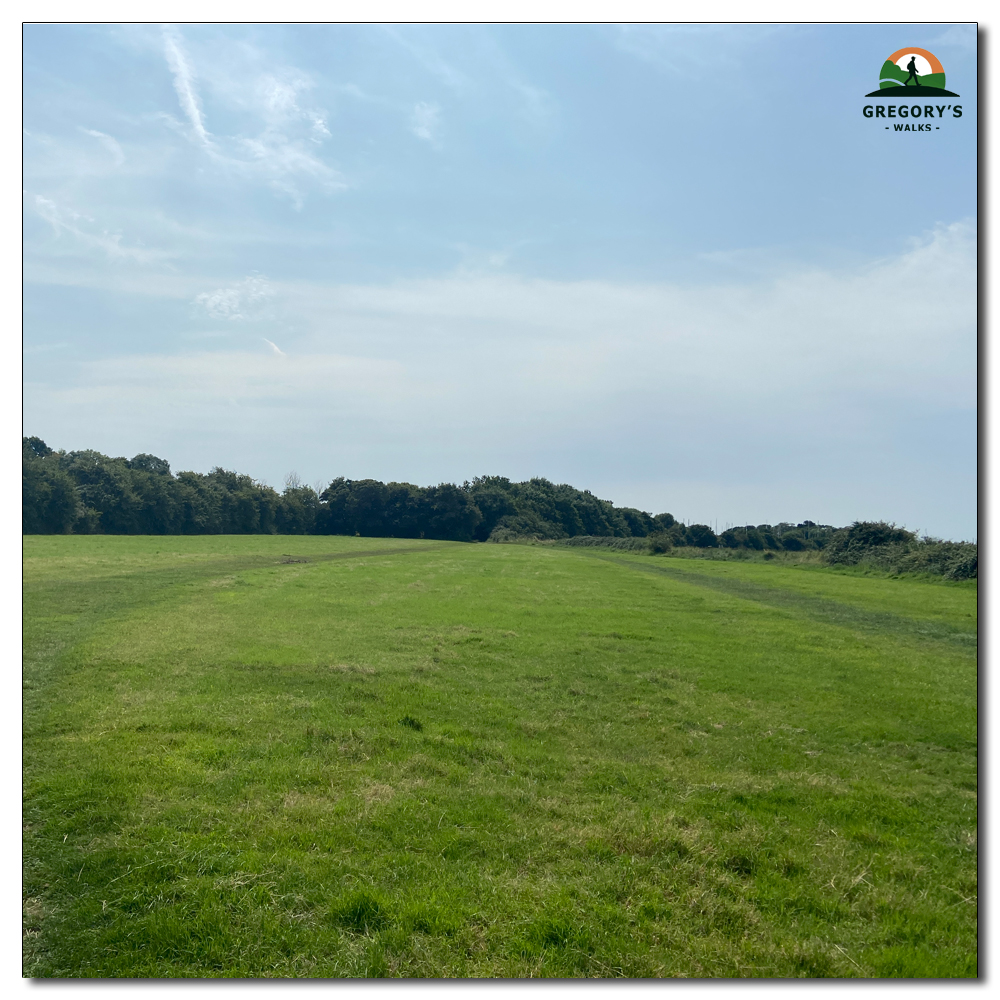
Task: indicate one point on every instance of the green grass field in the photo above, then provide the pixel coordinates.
(327, 756)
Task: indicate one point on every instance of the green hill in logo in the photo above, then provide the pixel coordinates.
(912, 73)
(892, 76)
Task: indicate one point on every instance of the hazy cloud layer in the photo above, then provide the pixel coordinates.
(526, 377)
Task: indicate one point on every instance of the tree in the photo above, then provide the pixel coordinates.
(34, 447)
(199, 504)
(767, 535)
(639, 523)
(111, 505)
(402, 510)
(159, 512)
(793, 541)
(50, 503)
(333, 516)
(297, 511)
(733, 538)
(150, 463)
(450, 513)
(495, 496)
(702, 536)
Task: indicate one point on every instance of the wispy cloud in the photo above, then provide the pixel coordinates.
(283, 151)
(241, 301)
(274, 347)
(693, 50)
(960, 36)
(109, 143)
(183, 75)
(67, 220)
(537, 105)
(275, 97)
(534, 104)
(429, 58)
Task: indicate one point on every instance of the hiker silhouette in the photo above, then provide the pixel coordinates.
(912, 67)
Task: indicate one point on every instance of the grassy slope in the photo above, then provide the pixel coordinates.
(620, 771)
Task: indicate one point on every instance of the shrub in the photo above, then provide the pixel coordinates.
(867, 539)
(885, 547)
(660, 542)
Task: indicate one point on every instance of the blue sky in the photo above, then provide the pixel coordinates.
(673, 265)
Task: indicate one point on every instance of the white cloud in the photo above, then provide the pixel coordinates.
(242, 301)
(425, 121)
(274, 96)
(67, 220)
(278, 97)
(319, 130)
(183, 75)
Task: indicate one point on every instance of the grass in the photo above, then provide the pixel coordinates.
(325, 756)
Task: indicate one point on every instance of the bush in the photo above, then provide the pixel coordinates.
(885, 547)
(660, 542)
(511, 536)
(864, 540)
(952, 560)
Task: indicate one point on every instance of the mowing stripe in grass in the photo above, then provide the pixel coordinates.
(818, 608)
(76, 606)
(327, 556)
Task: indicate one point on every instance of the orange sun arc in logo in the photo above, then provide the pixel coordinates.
(929, 56)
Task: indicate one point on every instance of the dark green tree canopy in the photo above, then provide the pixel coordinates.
(86, 492)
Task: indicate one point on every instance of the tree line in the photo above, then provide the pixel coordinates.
(86, 492)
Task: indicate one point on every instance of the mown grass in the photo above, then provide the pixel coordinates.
(405, 758)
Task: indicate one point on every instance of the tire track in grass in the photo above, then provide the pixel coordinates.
(818, 608)
(327, 556)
